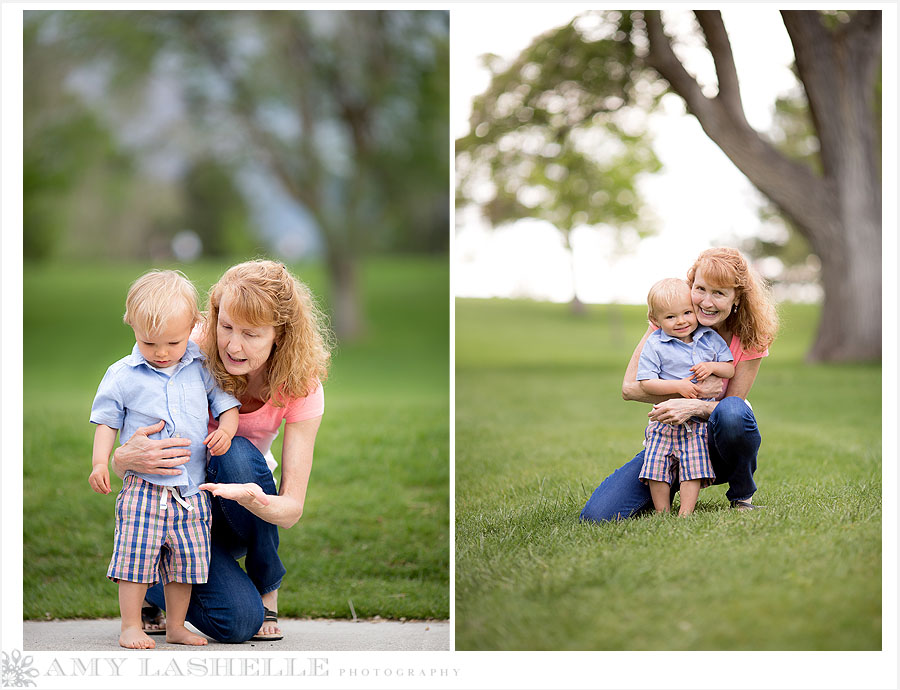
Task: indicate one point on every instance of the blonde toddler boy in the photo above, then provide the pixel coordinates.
(673, 357)
(162, 521)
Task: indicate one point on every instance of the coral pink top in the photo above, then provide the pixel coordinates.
(261, 427)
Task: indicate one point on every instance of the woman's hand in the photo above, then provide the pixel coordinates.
(248, 495)
(151, 456)
(679, 410)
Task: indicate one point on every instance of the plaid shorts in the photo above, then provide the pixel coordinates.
(173, 542)
(676, 453)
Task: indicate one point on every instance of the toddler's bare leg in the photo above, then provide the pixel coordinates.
(131, 597)
(659, 492)
(178, 596)
(690, 490)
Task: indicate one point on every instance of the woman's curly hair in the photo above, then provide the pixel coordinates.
(265, 293)
(755, 320)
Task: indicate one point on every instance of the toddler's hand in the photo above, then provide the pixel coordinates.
(218, 442)
(99, 479)
(702, 370)
(688, 389)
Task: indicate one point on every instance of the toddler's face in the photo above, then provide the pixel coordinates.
(677, 319)
(165, 348)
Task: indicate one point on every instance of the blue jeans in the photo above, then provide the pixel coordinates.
(228, 607)
(733, 444)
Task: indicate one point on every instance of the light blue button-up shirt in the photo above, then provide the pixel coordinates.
(666, 357)
(133, 394)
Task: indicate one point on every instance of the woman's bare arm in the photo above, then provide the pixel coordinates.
(286, 508)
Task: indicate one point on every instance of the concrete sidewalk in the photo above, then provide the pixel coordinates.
(299, 635)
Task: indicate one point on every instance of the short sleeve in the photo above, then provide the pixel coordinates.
(309, 407)
(723, 353)
(108, 407)
(219, 400)
(740, 354)
(649, 365)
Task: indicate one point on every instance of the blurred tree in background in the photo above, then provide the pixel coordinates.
(141, 125)
(603, 65)
(561, 135)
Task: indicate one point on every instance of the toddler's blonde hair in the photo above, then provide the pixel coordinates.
(663, 293)
(156, 297)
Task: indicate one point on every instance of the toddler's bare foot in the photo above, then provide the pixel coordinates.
(135, 638)
(181, 635)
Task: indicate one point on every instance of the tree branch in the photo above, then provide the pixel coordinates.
(720, 47)
(847, 57)
(663, 59)
(816, 66)
(863, 35)
(792, 186)
(264, 141)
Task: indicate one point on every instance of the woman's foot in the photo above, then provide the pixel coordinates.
(182, 635)
(269, 629)
(135, 638)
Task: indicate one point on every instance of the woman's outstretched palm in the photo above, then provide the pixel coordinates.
(245, 494)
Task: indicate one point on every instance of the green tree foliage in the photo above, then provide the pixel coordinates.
(65, 144)
(560, 134)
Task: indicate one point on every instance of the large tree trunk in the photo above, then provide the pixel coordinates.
(343, 272)
(839, 212)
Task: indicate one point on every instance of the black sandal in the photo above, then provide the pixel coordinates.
(269, 617)
(151, 614)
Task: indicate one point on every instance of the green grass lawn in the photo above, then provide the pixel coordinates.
(375, 528)
(540, 422)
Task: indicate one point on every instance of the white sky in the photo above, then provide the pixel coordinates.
(700, 198)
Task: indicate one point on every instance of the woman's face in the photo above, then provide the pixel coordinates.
(244, 349)
(713, 303)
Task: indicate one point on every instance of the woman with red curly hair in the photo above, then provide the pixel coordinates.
(732, 299)
(265, 343)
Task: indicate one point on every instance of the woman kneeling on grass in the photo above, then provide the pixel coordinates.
(729, 297)
(265, 343)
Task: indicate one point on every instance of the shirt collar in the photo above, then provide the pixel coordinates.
(698, 333)
(135, 359)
